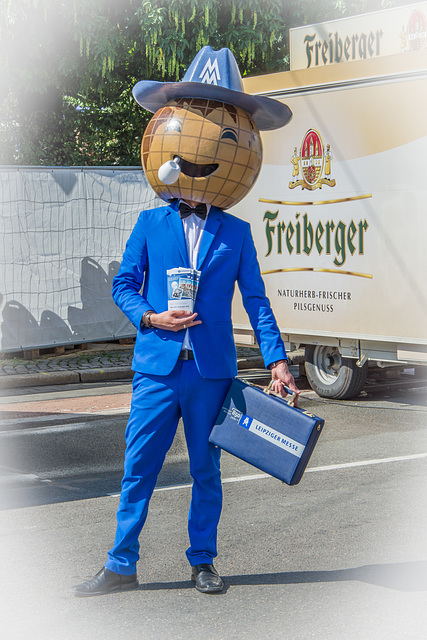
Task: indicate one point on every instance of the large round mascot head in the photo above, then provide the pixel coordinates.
(203, 142)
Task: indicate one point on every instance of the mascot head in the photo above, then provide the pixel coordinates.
(203, 142)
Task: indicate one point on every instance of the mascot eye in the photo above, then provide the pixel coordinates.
(230, 134)
(173, 125)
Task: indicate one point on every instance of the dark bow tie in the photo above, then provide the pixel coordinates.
(185, 210)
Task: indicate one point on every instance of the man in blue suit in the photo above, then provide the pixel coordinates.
(185, 360)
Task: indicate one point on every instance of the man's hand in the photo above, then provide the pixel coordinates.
(174, 320)
(281, 375)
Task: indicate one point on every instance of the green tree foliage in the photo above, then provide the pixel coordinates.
(67, 67)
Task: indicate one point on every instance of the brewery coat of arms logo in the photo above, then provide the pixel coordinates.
(313, 162)
(414, 36)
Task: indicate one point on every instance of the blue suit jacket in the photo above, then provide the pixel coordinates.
(227, 255)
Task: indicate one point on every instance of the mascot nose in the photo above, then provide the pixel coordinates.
(169, 171)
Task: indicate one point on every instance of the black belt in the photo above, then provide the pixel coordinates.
(186, 354)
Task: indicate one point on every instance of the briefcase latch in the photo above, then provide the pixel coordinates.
(291, 393)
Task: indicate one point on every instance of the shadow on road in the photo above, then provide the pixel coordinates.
(31, 491)
(400, 576)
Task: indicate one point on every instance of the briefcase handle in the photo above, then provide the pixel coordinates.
(289, 391)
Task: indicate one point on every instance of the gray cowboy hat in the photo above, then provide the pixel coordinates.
(214, 75)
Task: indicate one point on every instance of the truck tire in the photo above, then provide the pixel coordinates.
(332, 376)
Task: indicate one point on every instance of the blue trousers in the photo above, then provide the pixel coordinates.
(158, 402)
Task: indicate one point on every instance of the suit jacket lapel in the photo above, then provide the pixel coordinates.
(175, 225)
(213, 223)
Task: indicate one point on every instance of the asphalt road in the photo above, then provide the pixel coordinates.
(341, 555)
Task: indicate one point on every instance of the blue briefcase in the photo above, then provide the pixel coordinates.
(266, 431)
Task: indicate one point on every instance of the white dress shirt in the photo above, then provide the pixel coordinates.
(193, 230)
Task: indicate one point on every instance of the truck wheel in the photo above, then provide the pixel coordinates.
(332, 376)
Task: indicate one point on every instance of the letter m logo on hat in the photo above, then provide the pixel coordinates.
(210, 73)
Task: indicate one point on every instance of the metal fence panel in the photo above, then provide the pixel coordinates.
(63, 232)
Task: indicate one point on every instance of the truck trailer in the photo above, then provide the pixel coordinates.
(339, 211)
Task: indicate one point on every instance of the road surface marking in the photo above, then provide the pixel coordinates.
(264, 476)
(61, 417)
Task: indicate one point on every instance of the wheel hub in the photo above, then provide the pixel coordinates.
(328, 362)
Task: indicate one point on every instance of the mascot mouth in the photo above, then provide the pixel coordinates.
(193, 170)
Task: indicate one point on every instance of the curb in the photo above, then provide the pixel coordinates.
(44, 378)
(38, 379)
(65, 377)
(111, 373)
(253, 362)
(78, 376)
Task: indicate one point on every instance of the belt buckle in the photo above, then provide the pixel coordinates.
(184, 355)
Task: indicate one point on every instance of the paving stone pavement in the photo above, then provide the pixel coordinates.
(99, 361)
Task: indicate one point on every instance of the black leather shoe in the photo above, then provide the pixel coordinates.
(105, 581)
(207, 578)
